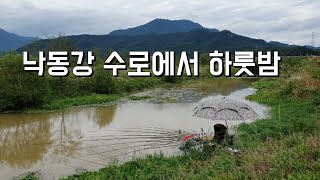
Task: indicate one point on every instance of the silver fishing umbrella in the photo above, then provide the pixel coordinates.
(224, 109)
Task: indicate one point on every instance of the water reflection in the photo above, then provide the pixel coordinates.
(64, 143)
(104, 116)
(25, 139)
(19, 133)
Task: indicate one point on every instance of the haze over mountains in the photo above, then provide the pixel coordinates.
(173, 35)
(10, 41)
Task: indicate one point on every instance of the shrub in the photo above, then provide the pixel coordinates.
(18, 88)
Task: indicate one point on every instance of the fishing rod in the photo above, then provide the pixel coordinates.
(140, 131)
(137, 135)
(112, 144)
(152, 128)
(157, 139)
(147, 128)
(156, 147)
(131, 142)
(146, 137)
(107, 139)
(153, 147)
(169, 137)
(131, 147)
(137, 128)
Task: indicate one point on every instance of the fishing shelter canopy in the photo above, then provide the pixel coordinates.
(224, 109)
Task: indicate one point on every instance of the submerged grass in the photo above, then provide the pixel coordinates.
(136, 98)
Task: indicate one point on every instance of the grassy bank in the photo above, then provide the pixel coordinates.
(80, 101)
(286, 145)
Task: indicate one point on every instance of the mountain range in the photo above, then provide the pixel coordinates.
(10, 41)
(172, 35)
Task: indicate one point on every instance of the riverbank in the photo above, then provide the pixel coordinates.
(184, 91)
(22, 91)
(158, 93)
(100, 99)
(286, 145)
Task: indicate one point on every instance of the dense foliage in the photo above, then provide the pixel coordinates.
(24, 90)
(19, 89)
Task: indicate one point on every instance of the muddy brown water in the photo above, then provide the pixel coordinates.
(73, 140)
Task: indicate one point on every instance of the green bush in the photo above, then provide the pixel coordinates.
(102, 81)
(19, 88)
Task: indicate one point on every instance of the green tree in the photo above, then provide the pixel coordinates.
(102, 81)
(20, 89)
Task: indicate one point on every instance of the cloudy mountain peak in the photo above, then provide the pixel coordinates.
(160, 26)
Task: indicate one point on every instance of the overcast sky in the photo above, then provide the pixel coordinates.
(289, 21)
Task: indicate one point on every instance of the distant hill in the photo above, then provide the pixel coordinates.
(172, 35)
(161, 26)
(276, 43)
(10, 41)
(312, 47)
(202, 40)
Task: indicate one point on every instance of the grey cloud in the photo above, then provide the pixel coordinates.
(266, 19)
